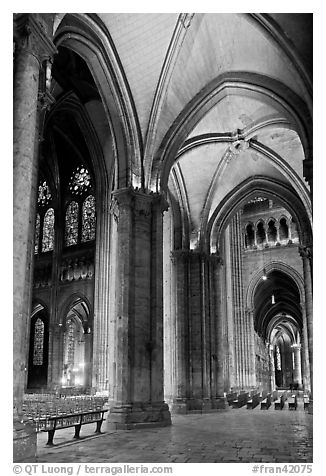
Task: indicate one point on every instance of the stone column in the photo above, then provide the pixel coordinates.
(230, 328)
(138, 321)
(158, 408)
(297, 376)
(32, 47)
(306, 254)
(204, 297)
(180, 264)
(305, 352)
(220, 400)
(102, 295)
(251, 348)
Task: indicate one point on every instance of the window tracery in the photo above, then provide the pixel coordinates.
(278, 358)
(80, 181)
(37, 233)
(48, 231)
(44, 194)
(88, 219)
(38, 342)
(71, 224)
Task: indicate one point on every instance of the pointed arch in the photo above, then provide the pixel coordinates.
(243, 83)
(87, 36)
(247, 190)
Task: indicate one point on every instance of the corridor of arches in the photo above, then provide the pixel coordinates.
(163, 221)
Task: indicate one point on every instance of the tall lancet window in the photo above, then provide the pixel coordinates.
(71, 228)
(38, 342)
(278, 358)
(45, 217)
(48, 231)
(37, 233)
(88, 219)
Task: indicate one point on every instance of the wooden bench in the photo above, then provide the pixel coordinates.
(253, 401)
(279, 403)
(53, 423)
(293, 402)
(241, 400)
(231, 397)
(305, 402)
(266, 403)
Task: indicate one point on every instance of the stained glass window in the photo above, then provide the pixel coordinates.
(37, 233)
(48, 231)
(71, 225)
(80, 181)
(88, 219)
(278, 358)
(44, 194)
(70, 342)
(38, 342)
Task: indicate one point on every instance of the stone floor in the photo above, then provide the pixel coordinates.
(235, 435)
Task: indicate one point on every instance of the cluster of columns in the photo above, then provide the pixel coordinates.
(33, 55)
(135, 354)
(306, 255)
(196, 337)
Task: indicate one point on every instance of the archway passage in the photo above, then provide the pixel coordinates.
(76, 359)
(38, 350)
(278, 322)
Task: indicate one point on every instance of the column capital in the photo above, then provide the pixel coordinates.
(31, 37)
(141, 202)
(44, 100)
(296, 346)
(305, 251)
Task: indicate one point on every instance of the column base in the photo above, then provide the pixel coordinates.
(310, 407)
(24, 441)
(198, 405)
(138, 415)
(220, 403)
(179, 406)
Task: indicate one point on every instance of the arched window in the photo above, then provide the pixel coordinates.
(44, 223)
(271, 231)
(278, 358)
(284, 230)
(261, 234)
(71, 224)
(294, 230)
(69, 343)
(37, 233)
(250, 236)
(48, 231)
(38, 342)
(88, 219)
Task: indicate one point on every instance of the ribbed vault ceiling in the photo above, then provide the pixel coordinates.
(169, 59)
